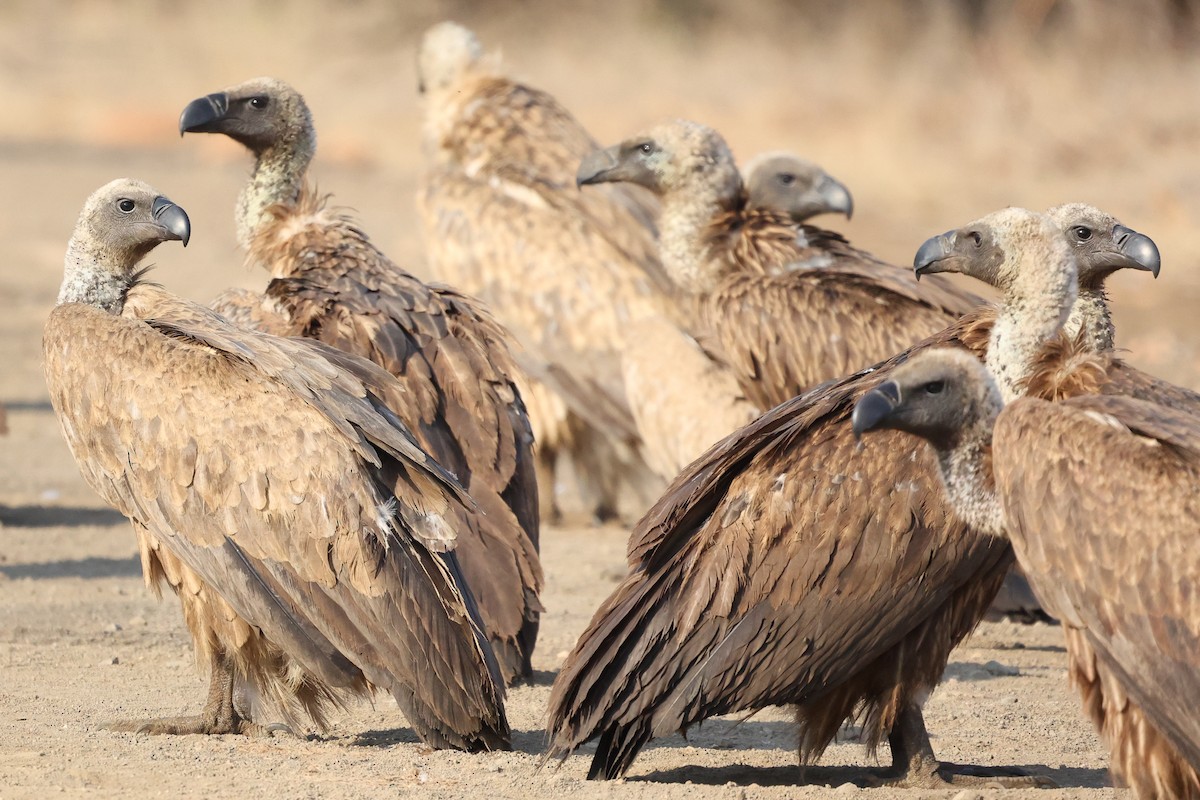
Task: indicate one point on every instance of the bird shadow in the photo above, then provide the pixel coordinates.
(59, 517)
(76, 568)
(41, 406)
(861, 776)
(529, 742)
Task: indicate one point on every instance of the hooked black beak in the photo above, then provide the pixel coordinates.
(837, 197)
(934, 250)
(874, 407)
(597, 166)
(1139, 248)
(173, 219)
(202, 114)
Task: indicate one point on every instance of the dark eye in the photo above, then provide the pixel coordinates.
(259, 102)
(125, 205)
(976, 238)
(935, 387)
(1082, 232)
(646, 148)
(787, 178)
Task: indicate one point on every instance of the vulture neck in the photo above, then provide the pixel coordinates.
(966, 470)
(1034, 308)
(86, 280)
(687, 254)
(1090, 314)
(278, 178)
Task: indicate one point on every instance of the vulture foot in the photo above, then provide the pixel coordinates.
(202, 724)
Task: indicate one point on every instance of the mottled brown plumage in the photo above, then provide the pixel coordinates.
(456, 389)
(566, 271)
(788, 305)
(308, 537)
(1109, 549)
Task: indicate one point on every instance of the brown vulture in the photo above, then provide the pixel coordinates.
(1100, 496)
(770, 573)
(456, 389)
(566, 271)
(308, 537)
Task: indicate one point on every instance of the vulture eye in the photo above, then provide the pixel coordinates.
(646, 148)
(125, 205)
(935, 387)
(260, 102)
(1082, 232)
(976, 239)
(787, 178)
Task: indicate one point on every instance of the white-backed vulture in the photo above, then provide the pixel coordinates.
(788, 305)
(566, 271)
(770, 573)
(781, 181)
(456, 388)
(308, 537)
(1100, 496)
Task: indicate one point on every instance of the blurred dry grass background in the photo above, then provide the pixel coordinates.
(933, 112)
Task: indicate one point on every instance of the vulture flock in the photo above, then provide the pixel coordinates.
(833, 462)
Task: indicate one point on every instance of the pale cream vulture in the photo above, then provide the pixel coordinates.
(456, 388)
(566, 271)
(1100, 496)
(308, 537)
(770, 573)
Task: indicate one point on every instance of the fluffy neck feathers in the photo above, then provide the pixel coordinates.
(966, 471)
(686, 216)
(86, 279)
(1090, 315)
(278, 177)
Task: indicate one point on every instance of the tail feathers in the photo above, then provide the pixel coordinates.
(616, 749)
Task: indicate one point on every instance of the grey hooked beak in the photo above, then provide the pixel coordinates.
(596, 166)
(1140, 249)
(836, 196)
(173, 219)
(202, 114)
(934, 250)
(874, 407)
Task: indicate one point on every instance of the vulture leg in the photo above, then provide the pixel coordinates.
(218, 716)
(914, 766)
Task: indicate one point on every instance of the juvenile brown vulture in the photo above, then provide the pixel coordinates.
(770, 573)
(1100, 496)
(788, 305)
(566, 271)
(780, 181)
(456, 388)
(308, 537)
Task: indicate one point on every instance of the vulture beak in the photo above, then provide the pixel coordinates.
(1139, 248)
(172, 219)
(600, 166)
(836, 197)
(874, 407)
(203, 114)
(935, 250)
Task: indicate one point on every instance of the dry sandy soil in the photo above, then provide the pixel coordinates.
(928, 124)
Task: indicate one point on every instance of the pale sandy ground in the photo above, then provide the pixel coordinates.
(928, 131)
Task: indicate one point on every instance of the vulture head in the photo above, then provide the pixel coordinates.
(448, 51)
(936, 395)
(261, 114)
(678, 158)
(795, 186)
(1103, 245)
(124, 220)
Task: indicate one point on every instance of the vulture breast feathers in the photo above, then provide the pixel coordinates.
(272, 470)
(790, 305)
(456, 388)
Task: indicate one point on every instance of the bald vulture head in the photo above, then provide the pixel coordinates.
(785, 182)
(448, 51)
(1103, 245)
(671, 159)
(262, 114)
(938, 394)
(120, 223)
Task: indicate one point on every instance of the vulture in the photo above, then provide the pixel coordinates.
(456, 388)
(788, 305)
(770, 573)
(780, 181)
(309, 538)
(1117, 570)
(567, 271)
